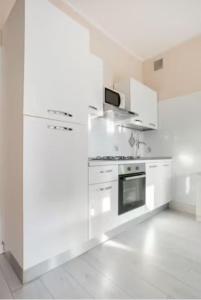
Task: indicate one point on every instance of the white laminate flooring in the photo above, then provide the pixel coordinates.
(160, 258)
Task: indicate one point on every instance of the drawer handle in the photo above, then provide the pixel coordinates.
(93, 107)
(61, 128)
(154, 166)
(108, 188)
(105, 189)
(138, 121)
(107, 171)
(58, 112)
(166, 165)
(152, 124)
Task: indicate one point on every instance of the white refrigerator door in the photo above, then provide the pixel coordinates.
(56, 80)
(55, 188)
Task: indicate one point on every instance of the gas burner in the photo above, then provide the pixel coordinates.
(113, 158)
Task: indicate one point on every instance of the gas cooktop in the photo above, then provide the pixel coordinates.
(114, 158)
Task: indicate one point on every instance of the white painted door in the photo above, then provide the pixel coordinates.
(96, 86)
(56, 84)
(103, 199)
(152, 185)
(55, 188)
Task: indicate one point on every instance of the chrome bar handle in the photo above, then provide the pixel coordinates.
(59, 112)
(108, 188)
(61, 128)
(134, 177)
(93, 107)
(105, 189)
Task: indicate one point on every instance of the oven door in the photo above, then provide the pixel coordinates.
(131, 191)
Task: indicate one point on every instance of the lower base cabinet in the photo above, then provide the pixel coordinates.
(103, 199)
(158, 184)
(55, 188)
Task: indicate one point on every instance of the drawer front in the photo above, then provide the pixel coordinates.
(102, 174)
(103, 203)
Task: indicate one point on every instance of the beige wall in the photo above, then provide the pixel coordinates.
(181, 74)
(117, 61)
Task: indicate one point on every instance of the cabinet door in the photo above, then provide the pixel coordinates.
(151, 109)
(96, 86)
(56, 84)
(103, 199)
(152, 185)
(138, 100)
(165, 178)
(55, 188)
(143, 101)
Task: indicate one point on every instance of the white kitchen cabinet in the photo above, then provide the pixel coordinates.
(99, 174)
(103, 199)
(165, 178)
(56, 71)
(55, 188)
(152, 185)
(141, 100)
(158, 184)
(96, 86)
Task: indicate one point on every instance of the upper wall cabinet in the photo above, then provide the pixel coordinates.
(56, 63)
(141, 100)
(96, 86)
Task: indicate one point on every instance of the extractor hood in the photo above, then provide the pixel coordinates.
(117, 114)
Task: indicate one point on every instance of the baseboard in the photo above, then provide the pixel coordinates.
(44, 267)
(183, 207)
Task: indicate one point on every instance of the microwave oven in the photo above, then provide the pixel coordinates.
(115, 98)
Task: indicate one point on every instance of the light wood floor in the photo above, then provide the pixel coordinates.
(160, 258)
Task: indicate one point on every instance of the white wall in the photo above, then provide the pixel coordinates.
(107, 139)
(180, 136)
(12, 146)
(1, 141)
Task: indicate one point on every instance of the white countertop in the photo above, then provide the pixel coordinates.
(133, 161)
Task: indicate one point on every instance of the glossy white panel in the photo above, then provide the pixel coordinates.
(179, 136)
(105, 138)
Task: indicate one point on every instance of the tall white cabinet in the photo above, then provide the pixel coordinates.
(46, 64)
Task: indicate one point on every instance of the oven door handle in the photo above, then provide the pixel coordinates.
(134, 177)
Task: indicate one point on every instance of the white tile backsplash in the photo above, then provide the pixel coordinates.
(106, 138)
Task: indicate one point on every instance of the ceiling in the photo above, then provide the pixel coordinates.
(144, 27)
(5, 7)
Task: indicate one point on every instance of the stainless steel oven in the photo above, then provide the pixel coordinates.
(132, 184)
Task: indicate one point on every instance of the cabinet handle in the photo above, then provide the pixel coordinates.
(93, 107)
(154, 166)
(108, 188)
(58, 112)
(166, 165)
(107, 171)
(62, 128)
(105, 189)
(138, 121)
(152, 124)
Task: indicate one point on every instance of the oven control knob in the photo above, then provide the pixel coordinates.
(129, 169)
